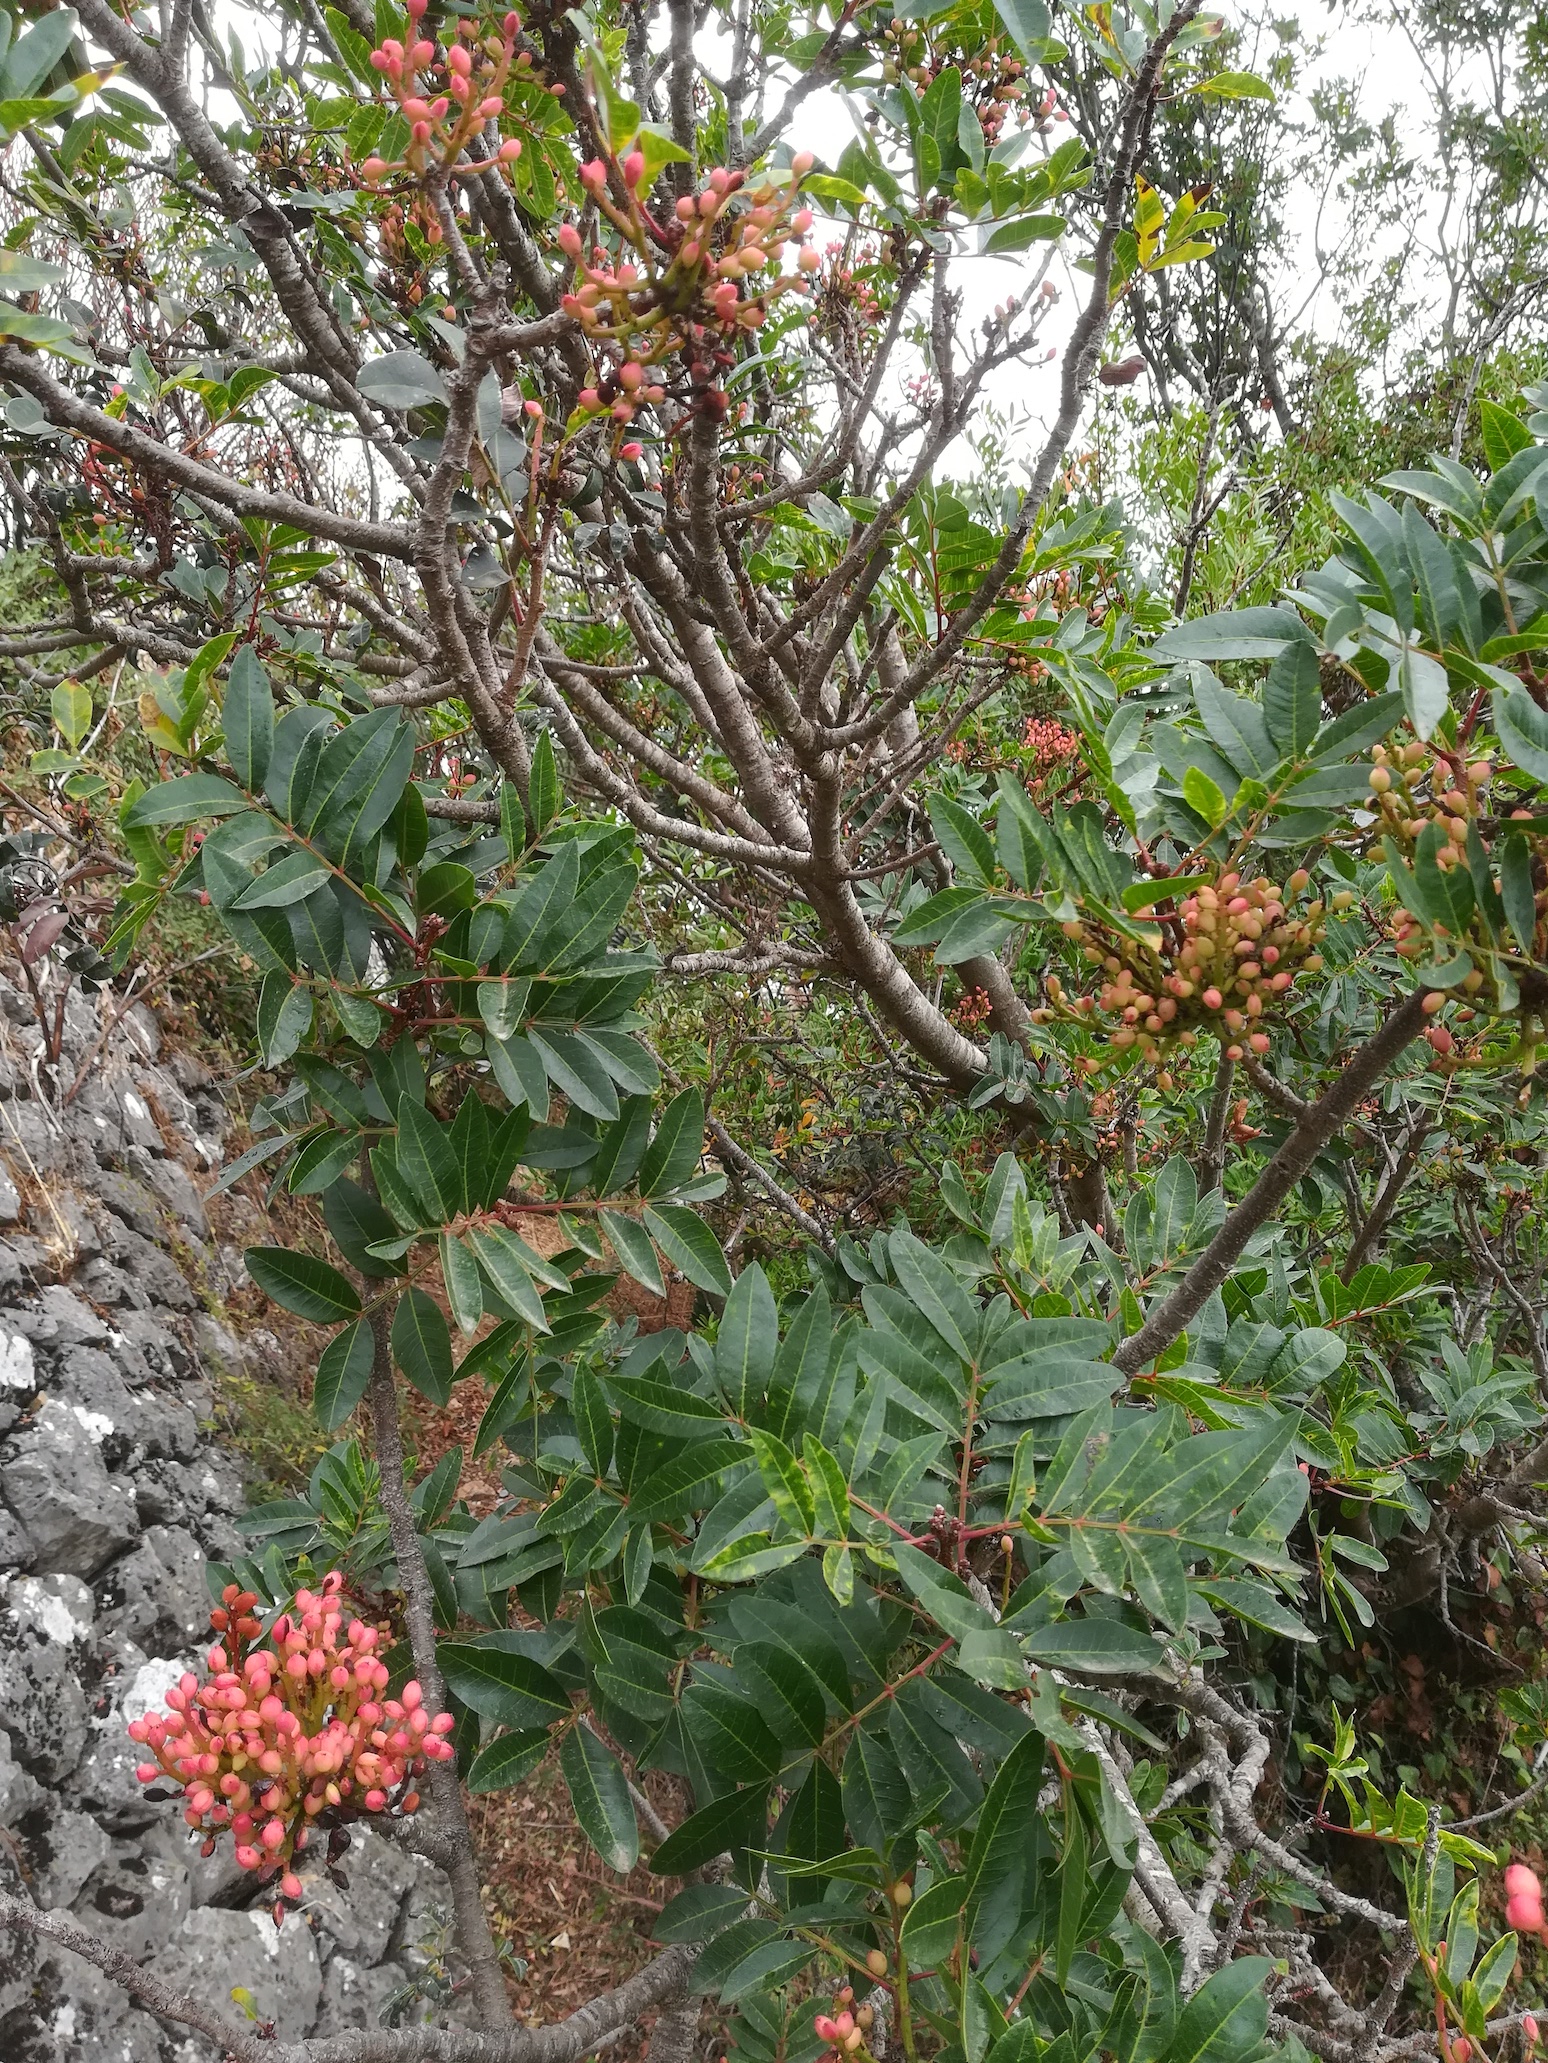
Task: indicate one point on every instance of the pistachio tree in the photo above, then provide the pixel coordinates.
(470, 433)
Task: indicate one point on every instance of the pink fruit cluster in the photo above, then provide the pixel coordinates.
(679, 283)
(1225, 955)
(841, 2031)
(847, 2029)
(1524, 1900)
(475, 74)
(279, 1736)
(993, 83)
(1051, 744)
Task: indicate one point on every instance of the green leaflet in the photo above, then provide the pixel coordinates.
(247, 718)
(936, 1292)
(508, 1760)
(599, 1791)
(184, 801)
(428, 1165)
(343, 1370)
(500, 1685)
(746, 1340)
(636, 1255)
(464, 1292)
(1003, 1842)
(689, 1245)
(302, 1283)
(733, 1822)
(1226, 2018)
(733, 1734)
(673, 1154)
(785, 1482)
(783, 1690)
(421, 1345)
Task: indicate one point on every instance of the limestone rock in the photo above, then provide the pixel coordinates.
(41, 1698)
(58, 1319)
(156, 1594)
(131, 1122)
(15, 1266)
(359, 1923)
(63, 1848)
(142, 1028)
(425, 1928)
(87, 1377)
(152, 1271)
(18, 1365)
(15, 1547)
(131, 1202)
(177, 1193)
(170, 1428)
(146, 1349)
(161, 1495)
(32, 1137)
(20, 1793)
(58, 1607)
(105, 1783)
(54, 1480)
(84, 2017)
(215, 1952)
(134, 1902)
(220, 1349)
(62, 1218)
(354, 1997)
(212, 1879)
(112, 1288)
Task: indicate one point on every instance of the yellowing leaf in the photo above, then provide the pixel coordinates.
(70, 706)
(1233, 86)
(1149, 218)
(1182, 254)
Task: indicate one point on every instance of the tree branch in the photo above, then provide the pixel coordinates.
(419, 1614)
(1212, 1159)
(1322, 1120)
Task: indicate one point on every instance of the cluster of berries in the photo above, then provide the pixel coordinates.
(278, 1736)
(972, 1010)
(685, 284)
(994, 82)
(1416, 786)
(474, 70)
(847, 2028)
(1051, 744)
(850, 287)
(1053, 749)
(1220, 962)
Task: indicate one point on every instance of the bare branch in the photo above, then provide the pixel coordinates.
(419, 1613)
(312, 520)
(1322, 1121)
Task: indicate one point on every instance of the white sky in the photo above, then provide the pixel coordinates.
(1380, 62)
